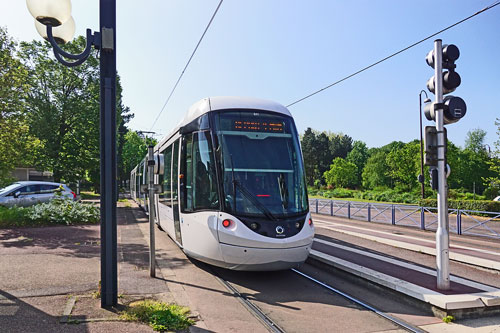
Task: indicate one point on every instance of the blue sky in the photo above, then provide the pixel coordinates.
(283, 50)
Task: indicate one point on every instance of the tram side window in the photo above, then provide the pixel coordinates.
(187, 171)
(175, 174)
(166, 196)
(199, 170)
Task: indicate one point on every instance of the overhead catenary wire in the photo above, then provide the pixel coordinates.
(394, 54)
(187, 64)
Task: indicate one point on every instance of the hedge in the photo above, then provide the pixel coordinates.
(478, 205)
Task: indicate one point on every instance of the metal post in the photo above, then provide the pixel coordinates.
(421, 148)
(151, 208)
(317, 203)
(459, 222)
(442, 232)
(348, 210)
(331, 207)
(422, 218)
(369, 213)
(393, 215)
(109, 278)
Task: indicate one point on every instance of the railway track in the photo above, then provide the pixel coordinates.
(274, 327)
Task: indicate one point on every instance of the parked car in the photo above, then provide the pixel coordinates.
(27, 193)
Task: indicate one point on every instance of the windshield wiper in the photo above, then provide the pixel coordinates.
(254, 201)
(283, 191)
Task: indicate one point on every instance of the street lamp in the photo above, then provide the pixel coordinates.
(55, 15)
(421, 177)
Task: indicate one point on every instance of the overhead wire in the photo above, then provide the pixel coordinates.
(187, 64)
(394, 54)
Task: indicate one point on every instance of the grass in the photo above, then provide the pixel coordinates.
(448, 319)
(160, 316)
(88, 195)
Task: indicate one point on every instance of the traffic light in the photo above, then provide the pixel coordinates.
(454, 108)
(431, 145)
(451, 79)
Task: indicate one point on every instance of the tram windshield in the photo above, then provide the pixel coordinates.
(261, 163)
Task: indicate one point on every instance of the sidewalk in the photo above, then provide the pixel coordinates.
(48, 275)
(403, 259)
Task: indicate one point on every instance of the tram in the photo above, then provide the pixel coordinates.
(233, 186)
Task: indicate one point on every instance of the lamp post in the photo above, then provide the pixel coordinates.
(59, 28)
(421, 177)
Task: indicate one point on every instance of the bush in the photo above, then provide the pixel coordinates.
(57, 211)
(478, 205)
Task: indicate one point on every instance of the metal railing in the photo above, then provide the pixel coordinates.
(461, 222)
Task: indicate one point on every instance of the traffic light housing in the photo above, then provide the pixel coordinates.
(454, 109)
(451, 79)
(431, 145)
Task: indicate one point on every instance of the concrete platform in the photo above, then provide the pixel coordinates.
(403, 271)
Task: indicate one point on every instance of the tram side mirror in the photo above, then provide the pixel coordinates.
(159, 167)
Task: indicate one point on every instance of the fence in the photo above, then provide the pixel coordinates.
(461, 222)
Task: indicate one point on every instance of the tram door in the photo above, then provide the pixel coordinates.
(175, 192)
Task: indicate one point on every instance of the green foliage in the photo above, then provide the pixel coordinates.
(492, 181)
(160, 316)
(403, 164)
(478, 205)
(342, 173)
(14, 216)
(319, 149)
(389, 195)
(63, 105)
(14, 139)
(448, 319)
(359, 156)
(57, 211)
(333, 193)
(135, 148)
(375, 171)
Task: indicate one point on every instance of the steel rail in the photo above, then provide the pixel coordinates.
(252, 308)
(394, 320)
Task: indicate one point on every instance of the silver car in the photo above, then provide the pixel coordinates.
(27, 193)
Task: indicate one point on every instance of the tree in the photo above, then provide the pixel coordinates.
(64, 111)
(492, 181)
(323, 152)
(358, 155)
(404, 165)
(342, 173)
(14, 138)
(309, 152)
(340, 145)
(375, 171)
(135, 148)
(474, 141)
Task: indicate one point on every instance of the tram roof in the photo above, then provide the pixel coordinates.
(227, 103)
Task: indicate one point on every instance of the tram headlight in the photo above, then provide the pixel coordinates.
(297, 225)
(254, 226)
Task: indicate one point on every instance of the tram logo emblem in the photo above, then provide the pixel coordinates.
(280, 230)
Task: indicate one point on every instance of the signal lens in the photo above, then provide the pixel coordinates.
(226, 223)
(310, 221)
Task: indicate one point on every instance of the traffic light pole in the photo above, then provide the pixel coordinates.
(442, 232)
(151, 208)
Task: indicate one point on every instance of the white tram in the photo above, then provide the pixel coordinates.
(234, 192)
